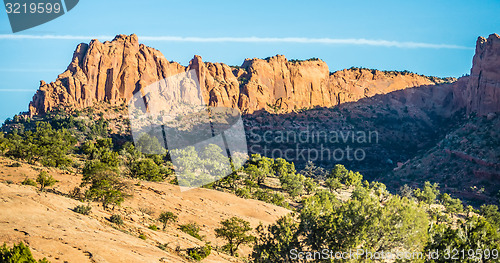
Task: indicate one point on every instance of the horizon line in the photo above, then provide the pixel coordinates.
(293, 40)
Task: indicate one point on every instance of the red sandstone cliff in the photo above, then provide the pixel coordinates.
(483, 88)
(113, 71)
(109, 71)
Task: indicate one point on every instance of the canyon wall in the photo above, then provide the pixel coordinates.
(114, 70)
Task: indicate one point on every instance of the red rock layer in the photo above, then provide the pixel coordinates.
(113, 71)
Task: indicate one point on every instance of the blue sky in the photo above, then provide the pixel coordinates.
(219, 31)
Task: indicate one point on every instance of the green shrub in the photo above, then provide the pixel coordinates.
(18, 253)
(333, 184)
(149, 144)
(45, 180)
(428, 194)
(82, 209)
(28, 181)
(153, 227)
(234, 230)
(77, 193)
(15, 165)
(142, 236)
(292, 183)
(146, 169)
(452, 205)
(491, 213)
(101, 150)
(279, 200)
(263, 195)
(163, 246)
(167, 217)
(116, 219)
(476, 233)
(192, 229)
(243, 193)
(309, 185)
(44, 144)
(346, 177)
(276, 241)
(105, 184)
(199, 253)
(174, 181)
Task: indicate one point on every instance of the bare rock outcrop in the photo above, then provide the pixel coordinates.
(281, 84)
(482, 94)
(109, 71)
(352, 85)
(114, 70)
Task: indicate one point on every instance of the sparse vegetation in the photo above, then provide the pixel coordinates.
(147, 169)
(83, 209)
(45, 180)
(333, 184)
(18, 253)
(428, 194)
(234, 231)
(344, 176)
(167, 217)
(77, 194)
(44, 144)
(163, 246)
(333, 208)
(199, 253)
(452, 205)
(192, 229)
(116, 219)
(105, 184)
(28, 181)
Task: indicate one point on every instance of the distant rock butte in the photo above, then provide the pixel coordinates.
(113, 71)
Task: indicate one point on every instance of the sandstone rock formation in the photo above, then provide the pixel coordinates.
(113, 71)
(483, 88)
(109, 71)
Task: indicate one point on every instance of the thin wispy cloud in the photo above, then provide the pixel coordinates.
(23, 70)
(17, 90)
(291, 40)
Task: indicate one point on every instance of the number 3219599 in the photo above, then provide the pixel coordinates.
(32, 8)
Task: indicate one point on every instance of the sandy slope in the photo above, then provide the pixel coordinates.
(46, 222)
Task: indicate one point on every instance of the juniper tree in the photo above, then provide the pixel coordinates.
(167, 217)
(45, 180)
(234, 230)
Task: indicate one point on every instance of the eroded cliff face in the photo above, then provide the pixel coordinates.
(113, 71)
(109, 71)
(482, 94)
